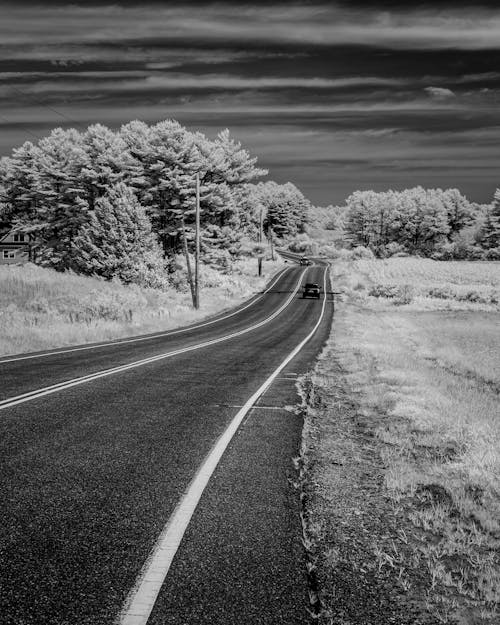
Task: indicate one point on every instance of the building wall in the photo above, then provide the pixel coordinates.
(17, 244)
(21, 255)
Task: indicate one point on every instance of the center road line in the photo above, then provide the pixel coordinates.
(48, 390)
(142, 598)
(149, 337)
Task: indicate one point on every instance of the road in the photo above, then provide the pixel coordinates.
(99, 445)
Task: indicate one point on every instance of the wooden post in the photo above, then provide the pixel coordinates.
(272, 242)
(261, 234)
(188, 264)
(197, 245)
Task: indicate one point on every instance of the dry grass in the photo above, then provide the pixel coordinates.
(427, 284)
(431, 381)
(40, 308)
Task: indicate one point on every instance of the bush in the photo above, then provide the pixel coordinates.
(392, 249)
(218, 259)
(399, 293)
(405, 295)
(328, 251)
(362, 252)
(441, 292)
(300, 245)
(345, 254)
(492, 254)
(472, 296)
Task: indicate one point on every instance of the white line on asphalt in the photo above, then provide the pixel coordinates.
(54, 388)
(144, 338)
(142, 598)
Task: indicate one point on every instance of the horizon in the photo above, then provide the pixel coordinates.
(331, 97)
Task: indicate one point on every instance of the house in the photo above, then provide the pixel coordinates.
(15, 247)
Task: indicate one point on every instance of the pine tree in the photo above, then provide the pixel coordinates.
(491, 229)
(118, 241)
(460, 211)
(286, 208)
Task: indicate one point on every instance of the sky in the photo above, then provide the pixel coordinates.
(332, 96)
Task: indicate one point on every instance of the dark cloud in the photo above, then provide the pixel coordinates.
(329, 94)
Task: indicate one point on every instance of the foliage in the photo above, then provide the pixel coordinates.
(117, 241)
(430, 222)
(54, 189)
(286, 209)
(362, 252)
(490, 233)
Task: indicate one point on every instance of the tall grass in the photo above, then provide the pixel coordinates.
(424, 283)
(430, 378)
(41, 308)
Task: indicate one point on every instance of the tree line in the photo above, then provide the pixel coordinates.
(121, 203)
(438, 223)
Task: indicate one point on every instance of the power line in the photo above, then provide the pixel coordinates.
(25, 129)
(51, 108)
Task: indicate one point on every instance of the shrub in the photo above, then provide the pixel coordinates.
(300, 244)
(399, 293)
(218, 259)
(384, 290)
(328, 251)
(472, 296)
(392, 249)
(362, 252)
(441, 292)
(405, 295)
(345, 254)
(492, 254)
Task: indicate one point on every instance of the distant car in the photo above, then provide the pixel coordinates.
(311, 290)
(305, 261)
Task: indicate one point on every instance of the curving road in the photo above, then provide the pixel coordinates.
(99, 444)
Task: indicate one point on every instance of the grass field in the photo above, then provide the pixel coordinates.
(415, 380)
(41, 308)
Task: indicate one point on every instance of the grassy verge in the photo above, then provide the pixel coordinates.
(402, 446)
(40, 308)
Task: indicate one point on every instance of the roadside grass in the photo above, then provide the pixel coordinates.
(428, 284)
(423, 387)
(41, 308)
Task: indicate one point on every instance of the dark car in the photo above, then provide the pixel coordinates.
(305, 261)
(311, 290)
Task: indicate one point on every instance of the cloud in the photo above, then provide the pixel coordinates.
(321, 24)
(101, 83)
(440, 93)
(353, 93)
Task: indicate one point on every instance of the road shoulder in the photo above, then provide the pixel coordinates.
(390, 540)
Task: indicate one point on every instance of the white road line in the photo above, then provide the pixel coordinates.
(54, 388)
(142, 598)
(144, 338)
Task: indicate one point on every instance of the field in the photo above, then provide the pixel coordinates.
(406, 443)
(41, 308)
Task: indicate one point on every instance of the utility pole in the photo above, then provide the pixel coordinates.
(271, 234)
(197, 245)
(261, 236)
(188, 263)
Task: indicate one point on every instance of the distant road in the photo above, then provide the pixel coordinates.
(100, 444)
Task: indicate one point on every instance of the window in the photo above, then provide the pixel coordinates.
(18, 238)
(9, 254)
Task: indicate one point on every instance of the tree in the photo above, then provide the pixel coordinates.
(460, 211)
(117, 241)
(286, 208)
(491, 229)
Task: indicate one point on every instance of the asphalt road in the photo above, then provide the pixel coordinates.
(90, 474)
